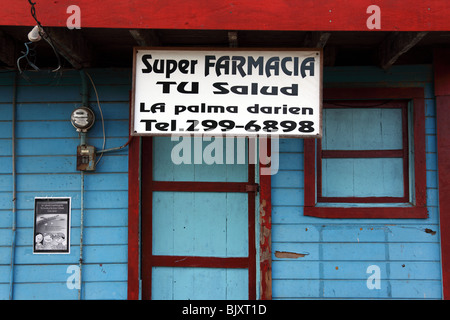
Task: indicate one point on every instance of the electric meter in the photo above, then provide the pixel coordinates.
(82, 119)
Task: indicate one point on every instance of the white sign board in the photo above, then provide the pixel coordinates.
(232, 92)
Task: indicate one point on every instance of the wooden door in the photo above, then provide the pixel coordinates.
(198, 227)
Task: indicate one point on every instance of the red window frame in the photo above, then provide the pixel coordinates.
(360, 154)
(318, 206)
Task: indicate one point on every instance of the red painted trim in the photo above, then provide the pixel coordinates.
(309, 149)
(251, 260)
(319, 180)
(443, 146)
(419, 209)
(420, 175)
(133, 217)
(362, 199)
(367, 213)
(362, 154)
(133, 220)
(265, 236)
(442, 91)
(146, 216)
(326, 15)
(200, 262)
(199, 186)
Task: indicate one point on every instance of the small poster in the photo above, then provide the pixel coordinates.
(51, 225)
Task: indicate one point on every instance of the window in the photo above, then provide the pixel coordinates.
(370, 162)
(363, 155)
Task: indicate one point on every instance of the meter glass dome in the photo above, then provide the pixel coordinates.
(82, 118)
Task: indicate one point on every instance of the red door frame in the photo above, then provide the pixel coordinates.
(265, 225)
(134, 198)
(134, 236)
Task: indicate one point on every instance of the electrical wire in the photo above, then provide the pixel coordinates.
(25, 56)
(44, 36)
(101, 114)
(103, 126)
(117, 148)
(31, 51)
(33, 13)
(49, 41)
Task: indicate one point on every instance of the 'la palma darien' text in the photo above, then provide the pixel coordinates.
(226, 65)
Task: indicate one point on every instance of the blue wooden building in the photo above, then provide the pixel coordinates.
(358, 214)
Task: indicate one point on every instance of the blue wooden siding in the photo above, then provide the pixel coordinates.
(334, 255)
(46, 166)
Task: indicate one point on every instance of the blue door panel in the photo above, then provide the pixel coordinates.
(199, 283)
(199, 224)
